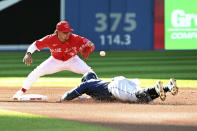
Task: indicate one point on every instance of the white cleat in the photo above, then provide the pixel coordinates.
(160, 91)
(18, 94)
(173, 87)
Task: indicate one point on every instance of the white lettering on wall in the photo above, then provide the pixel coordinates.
(181, 19)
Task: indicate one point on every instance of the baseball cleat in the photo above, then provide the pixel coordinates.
(173, 87)
(18, 94)
(160, 91)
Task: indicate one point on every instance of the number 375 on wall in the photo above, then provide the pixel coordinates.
(128, 19)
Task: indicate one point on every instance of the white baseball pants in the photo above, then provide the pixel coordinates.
(124, 89)
(52, 65)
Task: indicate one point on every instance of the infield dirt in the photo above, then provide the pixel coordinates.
(176, 113)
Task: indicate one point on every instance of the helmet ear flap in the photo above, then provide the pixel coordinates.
(89, 75)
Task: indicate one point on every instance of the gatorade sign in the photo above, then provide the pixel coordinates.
(180, 24)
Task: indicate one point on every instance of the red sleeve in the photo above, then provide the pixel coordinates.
(84, 41)
(42, 43)
(81, 40)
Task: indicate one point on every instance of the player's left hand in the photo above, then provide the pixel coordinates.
(86, 50)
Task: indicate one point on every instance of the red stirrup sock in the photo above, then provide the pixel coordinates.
(24, 90)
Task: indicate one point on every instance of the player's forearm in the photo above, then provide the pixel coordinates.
(70, 95)
(32, 48)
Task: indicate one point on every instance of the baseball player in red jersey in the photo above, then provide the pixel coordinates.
(64, 47)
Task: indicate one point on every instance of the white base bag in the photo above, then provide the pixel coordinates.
(33, 97)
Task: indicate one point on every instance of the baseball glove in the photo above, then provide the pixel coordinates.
(86, 49)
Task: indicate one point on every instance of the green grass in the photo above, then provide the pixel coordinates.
(28, 122)
(131, 64)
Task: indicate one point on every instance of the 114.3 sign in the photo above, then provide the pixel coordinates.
(119, 39)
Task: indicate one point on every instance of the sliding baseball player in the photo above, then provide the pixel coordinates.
(119, 88)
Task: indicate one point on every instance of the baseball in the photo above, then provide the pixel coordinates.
(102, 53)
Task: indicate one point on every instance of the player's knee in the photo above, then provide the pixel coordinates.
(88, 69)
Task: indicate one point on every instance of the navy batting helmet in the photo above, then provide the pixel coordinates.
(89, 75)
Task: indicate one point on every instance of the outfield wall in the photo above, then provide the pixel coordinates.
(110, 24)
(159, 25)
(113, 24)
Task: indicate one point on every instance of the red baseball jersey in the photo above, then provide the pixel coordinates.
(59, 50)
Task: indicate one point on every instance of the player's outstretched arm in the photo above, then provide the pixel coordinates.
(86, 49)
(28, 56)
(74, 93)
(28, 59)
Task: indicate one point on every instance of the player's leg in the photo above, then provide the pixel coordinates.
(148, 94)
(49, 66)
(171, 87)
(77, 65)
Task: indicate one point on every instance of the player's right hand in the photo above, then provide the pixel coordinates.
(28, 59)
